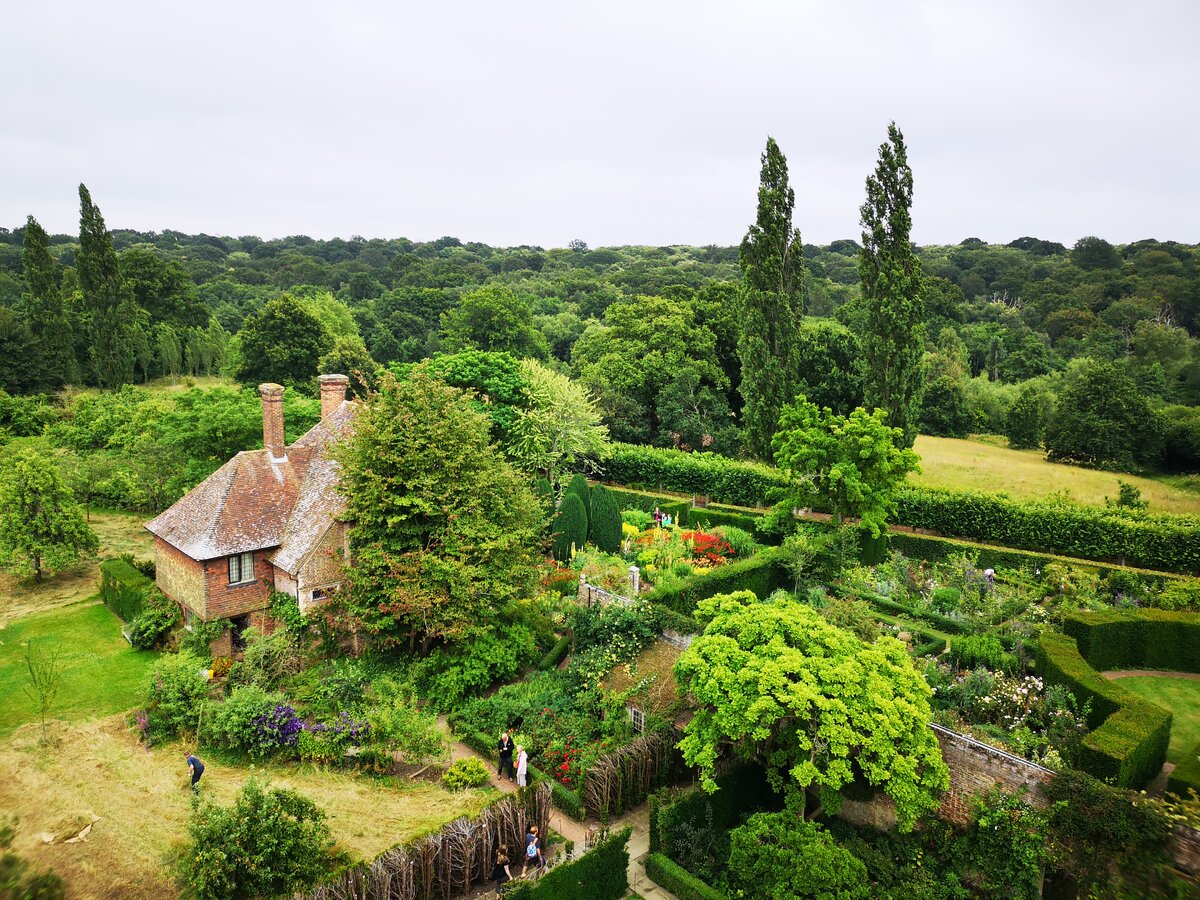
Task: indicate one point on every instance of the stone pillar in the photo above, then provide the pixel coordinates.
(272, 413)
(635, 581)
(583, 595)
(333, 392)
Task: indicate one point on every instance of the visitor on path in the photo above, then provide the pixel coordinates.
(195, 770)
(533, 851)
(658, 518)
(506, 754)
(522, 767)
(500, 872)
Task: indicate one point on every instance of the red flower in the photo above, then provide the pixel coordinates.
(566, 767)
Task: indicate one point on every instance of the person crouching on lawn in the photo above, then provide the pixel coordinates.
(195, 770)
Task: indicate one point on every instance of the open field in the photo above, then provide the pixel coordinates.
(102, 674)
(975, 465)
(140, 800)
(118, 532)
(1179, 695)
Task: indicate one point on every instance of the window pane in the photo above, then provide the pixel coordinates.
(247, 567)
(235, 569)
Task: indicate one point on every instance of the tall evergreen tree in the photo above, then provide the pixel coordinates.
(894, 342)
(113, 310)
(772, 304)
(42, 307)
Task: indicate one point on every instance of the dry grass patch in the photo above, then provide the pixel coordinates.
(139, 800)
(118, 532)
(976, 465)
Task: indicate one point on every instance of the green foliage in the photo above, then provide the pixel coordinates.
(853, 465)
(944, 409)
(175, 694)
(555, 655)
(199, 638)
(282, 342)
(1137, 639)
(600, 874)
(466, 773)
(493, 318)
(349, 356)
(578, 485)
(677, 880)
(113, 313)
(445, 532)
(708, 474)
(1102, 420)
(123, 588)
(42, 528)
(558, 427)
(158, 616)
(974, 650)
(17, 882)
(779, 856)
(760, 575)
(1025, 424)
(783, 642)
(271, 842)
(772, 304)
(604, 522)
(267, 660)
(448, 675)
(1008, 846)
(892, 291)
(233, 725)
(570, 527)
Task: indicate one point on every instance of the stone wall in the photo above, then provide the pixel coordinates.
(976, 767)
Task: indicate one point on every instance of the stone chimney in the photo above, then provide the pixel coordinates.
(333, 392)
(272, 407)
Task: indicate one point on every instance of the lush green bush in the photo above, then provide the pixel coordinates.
(780, 856)
(556, 654)
(447, 676)
(678, 880)
(604, 522)
(971, 651)
(600, 874)
(176, 690)
(466, 773)
(270, 843)
(158, 616)
(704, 474)
(578, 485)
(1137, 639)
(123, 588)
(250, 721)
(761, 574)
(1129, 742)
(569, 527)
(711, 516)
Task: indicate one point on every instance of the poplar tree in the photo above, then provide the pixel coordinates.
(113, 310)
(42, 306)
(894, 342)
(772, 304)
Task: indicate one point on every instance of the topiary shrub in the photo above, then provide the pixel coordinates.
(578, 485)
(123, 588)
(465, 773)
(570, 527)
(780, 856)
(678, 880)
(604, 523)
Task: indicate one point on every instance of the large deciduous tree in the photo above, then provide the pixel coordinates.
(111, 307)
(42, 528)
(894, 342)
(282, 342)
(445, 531)
(774, 682)
(772, 304)
(854, 463)
(493, 318)
(1101, 419)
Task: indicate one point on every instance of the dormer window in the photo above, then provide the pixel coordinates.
(241, 568)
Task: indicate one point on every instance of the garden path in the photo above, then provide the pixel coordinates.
(638, 820)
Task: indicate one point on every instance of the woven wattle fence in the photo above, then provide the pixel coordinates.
(628, 775)
(448, 864)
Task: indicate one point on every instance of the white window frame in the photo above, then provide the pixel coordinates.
(243, 562)
(637, 718)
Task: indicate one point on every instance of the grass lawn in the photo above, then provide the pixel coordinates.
(118, 532)
(102, 673)
(1179, 695)
(139, 800)
(976, 465)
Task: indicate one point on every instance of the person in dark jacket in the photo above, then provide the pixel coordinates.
(506, 757)
(501, 873)
(195, 770)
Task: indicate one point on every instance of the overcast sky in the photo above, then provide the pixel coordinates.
(614, 122)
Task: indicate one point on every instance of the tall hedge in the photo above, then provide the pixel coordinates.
(741, 791)
(627, 499)
(668, 874)
(570, 527)
(123, 588)
(1128, 745)
(1137, 639)
(761, 574)
(604, 523)
(600, 874)
(578, 485)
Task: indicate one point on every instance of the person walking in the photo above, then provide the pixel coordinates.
(522, 767)
(195, 770)
(501, 873)
(533, 851)
(506, 757)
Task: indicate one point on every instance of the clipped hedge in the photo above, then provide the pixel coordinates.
(629, 499)
(938, 549)
(1186, 774)
(705, 474)
(123, 588)
(1137, 639)
(708, 516)
(740, 792)
(1128, 745)
(761, 574)
(555, 655)
(600, 874)
(679, 881)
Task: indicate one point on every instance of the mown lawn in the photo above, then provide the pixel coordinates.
(1179, 695)
(102, 674)
(976, 465)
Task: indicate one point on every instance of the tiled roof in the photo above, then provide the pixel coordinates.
(254, 503)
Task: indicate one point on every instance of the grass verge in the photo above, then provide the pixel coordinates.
(1179, 695)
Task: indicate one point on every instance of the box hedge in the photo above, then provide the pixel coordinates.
(123, 588)
(761, 574)
(555, 654)
(741, 791)
(630, 499)
(1137, 639)
(679, 881)
(1129, 742)
(600, 874)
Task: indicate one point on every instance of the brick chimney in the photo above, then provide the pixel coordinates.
(333, 392)
(272, 407)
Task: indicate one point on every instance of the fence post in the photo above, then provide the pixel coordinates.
(635, 580)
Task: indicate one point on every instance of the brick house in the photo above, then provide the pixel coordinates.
(267, 520)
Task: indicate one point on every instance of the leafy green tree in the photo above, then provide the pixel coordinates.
(779, 856)
(604, 525)
(1090, 253)
(829, 365)
(161, 287)
(42, 528)
(44, 667)
(1025, 424)
(493, 318)
(445, 531)
(42, 307)
(1102, 420)
(23, 368)
(348, 356)
(170, 352)
(272, 842)
(496, 380)
(852, 464)
(560, 426)
(894, 340)
(944, 409)
(282, 342)
(776, 683)
(112, 309)
(570, 527)
(772, 305)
